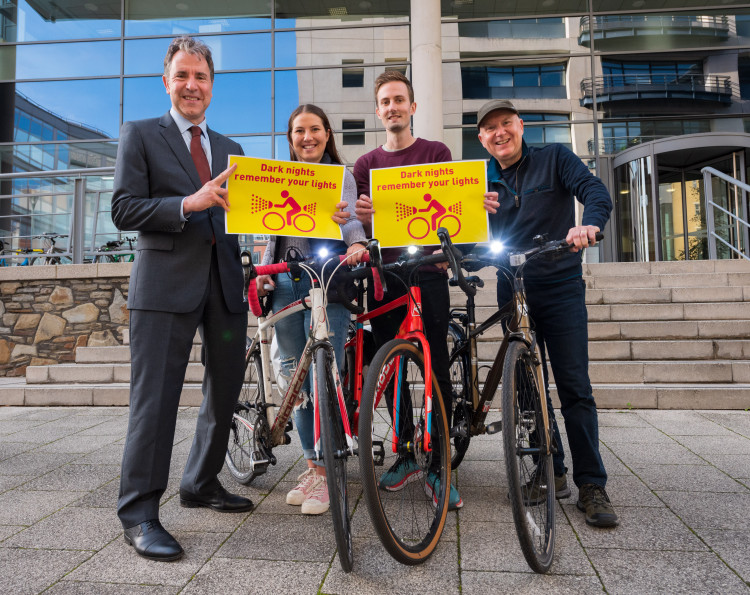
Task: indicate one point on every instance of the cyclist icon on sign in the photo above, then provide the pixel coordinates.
(418, 227)
(275, 221)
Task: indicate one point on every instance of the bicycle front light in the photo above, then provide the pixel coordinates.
(496, 247)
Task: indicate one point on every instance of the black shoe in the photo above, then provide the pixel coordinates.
(152, 541)
(593, 500)
(220, 500)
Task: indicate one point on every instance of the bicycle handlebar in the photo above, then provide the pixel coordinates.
(450, 251)
(372, 256)
(553, 247)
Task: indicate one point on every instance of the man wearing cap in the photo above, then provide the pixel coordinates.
(531, 193)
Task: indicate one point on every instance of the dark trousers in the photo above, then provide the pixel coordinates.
(560, 319)
(435, 314)
(160, 345)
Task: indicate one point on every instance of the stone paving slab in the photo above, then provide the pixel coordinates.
(680, 481)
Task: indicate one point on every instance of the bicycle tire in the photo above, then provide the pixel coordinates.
(104, 258)
(335, 457)
(407, 522)
(459, 367)
(242, 441)
(529, 470)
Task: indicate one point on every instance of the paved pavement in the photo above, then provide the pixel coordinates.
(680, 481)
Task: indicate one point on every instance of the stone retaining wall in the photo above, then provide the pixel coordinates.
(46, 312)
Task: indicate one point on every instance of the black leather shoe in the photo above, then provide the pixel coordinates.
(220, 500)
(152, 541)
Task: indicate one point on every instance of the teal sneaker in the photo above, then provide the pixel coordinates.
(432, 487)
(403, 471)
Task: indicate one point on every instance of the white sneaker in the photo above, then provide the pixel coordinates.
(307, 482)
(317, 502)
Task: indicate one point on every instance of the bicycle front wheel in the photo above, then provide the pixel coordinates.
(335, 454)
(461, 404)
(247, 425)
(406, 487)
(528, 458)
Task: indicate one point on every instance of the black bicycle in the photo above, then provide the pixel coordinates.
(528, 440)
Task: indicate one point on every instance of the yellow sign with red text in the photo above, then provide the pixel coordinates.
(412, 202)
(284, 198)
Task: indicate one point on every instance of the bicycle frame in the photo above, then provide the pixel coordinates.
(519, 329)
(317, 339)
(411, 329)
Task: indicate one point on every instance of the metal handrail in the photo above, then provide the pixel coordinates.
(740, 222)
(76, 228)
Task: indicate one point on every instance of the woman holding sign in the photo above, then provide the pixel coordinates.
(310, 141)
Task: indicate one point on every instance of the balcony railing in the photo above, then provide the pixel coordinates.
(632, 87)
(616, 144)
(626, 26)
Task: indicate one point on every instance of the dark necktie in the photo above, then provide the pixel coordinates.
(199, 158)
(198, 155)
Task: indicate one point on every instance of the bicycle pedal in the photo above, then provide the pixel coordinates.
(378, 452)
(494, 427)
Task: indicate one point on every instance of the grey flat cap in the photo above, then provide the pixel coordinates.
(493, 105)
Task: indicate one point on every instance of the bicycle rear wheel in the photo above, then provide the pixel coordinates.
(247, 425)
(459, 370)
(335, 455)
(528, 458)
(408, 517)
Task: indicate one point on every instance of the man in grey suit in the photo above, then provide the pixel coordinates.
(186, 276)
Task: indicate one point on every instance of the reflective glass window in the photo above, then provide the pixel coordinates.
(49, 21)
(288, 10)
(486, 81)
(514, 29)
(83, 109)
(144, 97)
(292, 88)
(241, 103)
(229, 52)
(58, 60)
(477, 10)
(255, 146)
(329, 47)
(146, 17)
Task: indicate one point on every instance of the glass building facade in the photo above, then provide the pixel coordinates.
(603, 77)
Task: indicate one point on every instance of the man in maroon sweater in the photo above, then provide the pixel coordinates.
(395, 105)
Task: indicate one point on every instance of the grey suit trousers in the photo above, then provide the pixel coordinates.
(160, 348)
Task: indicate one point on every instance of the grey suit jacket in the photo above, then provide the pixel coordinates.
(153, 173)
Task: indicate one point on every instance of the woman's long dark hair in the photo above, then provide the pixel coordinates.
(309, 108)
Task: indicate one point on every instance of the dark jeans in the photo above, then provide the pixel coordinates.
(435, 313)
(560, 319)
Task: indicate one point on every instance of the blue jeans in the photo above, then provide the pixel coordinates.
(291, 336)
(560, 319)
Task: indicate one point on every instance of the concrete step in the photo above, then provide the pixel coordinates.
(83, 395)
(608, 396)
(672, 329)
(117, 354)
(667, 295)
(666, 396)
(96, 373)
(668, 281)
(708, 349)
(708, 311)
(601, 269)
